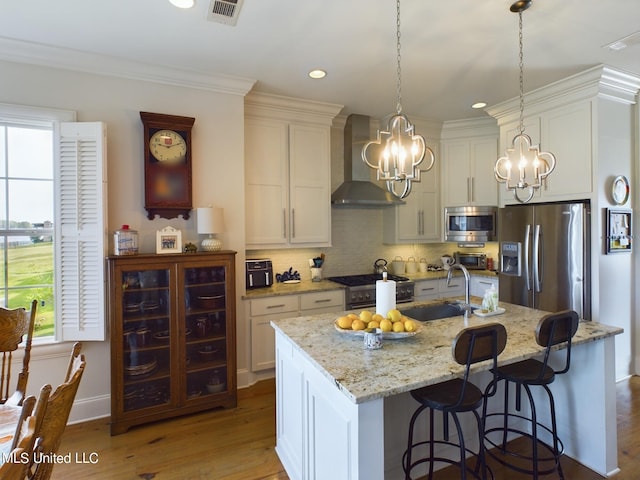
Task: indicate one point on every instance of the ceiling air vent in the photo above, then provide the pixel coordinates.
(224, 11)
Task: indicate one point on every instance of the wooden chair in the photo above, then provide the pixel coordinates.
(56, 415)
(14, 468)
(16, 325)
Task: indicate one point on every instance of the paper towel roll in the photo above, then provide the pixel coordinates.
(385, 296)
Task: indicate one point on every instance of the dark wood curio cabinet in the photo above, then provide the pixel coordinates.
(173, 335)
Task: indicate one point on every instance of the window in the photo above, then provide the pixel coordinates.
(52, 218)
(26, 220)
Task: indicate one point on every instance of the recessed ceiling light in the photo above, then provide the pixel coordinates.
(183, 3)
(317, 73)
(479, 105)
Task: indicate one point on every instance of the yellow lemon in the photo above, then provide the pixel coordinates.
(344, 322)
(366, 316)
(377, 317)
(386, 325)
(410, 326)
(398, 327)
(358, 325)
(394, 315)
(352, 316)
(403, 318)
(373, 324)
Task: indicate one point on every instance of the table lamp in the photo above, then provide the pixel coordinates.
(209, 221)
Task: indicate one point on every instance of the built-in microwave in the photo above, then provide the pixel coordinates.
(470, 224)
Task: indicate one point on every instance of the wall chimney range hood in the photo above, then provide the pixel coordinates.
(357, 189)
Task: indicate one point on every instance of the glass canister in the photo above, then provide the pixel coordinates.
(125, 241)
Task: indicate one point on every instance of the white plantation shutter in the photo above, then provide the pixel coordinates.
(80, 247)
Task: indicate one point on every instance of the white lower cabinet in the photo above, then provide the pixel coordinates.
(435, 288)
(426, 290)
(479, 284)
(263, 310)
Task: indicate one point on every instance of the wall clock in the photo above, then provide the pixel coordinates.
(620, 190)
(167, 165)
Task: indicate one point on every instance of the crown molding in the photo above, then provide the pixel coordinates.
(68, 59)
(260, 104)
(597, 82)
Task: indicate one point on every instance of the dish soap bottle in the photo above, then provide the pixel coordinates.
(490, 300)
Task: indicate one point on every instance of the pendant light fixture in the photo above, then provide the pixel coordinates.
(397, 152)
(524, 167)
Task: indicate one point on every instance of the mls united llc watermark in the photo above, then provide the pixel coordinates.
(53, 458)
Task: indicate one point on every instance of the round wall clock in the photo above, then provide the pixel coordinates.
(167, 165)
(620, 190)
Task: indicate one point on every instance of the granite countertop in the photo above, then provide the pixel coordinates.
(307, 286)
(415, 361)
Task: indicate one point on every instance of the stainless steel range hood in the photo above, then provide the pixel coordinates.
(357, 189)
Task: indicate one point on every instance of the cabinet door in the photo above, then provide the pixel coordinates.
(310, 196)
(453, 289)
(468, 172)
(457, 174)
(144, 339)
(479, 284)
(205, 333)
(419, 218)
(484, 187)
(266, 182)
(566, 132)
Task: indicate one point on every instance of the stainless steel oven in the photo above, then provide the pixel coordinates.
(361, 289)
(470, 224)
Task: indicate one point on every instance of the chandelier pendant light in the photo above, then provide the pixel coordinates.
(398, 151)
(524, 167)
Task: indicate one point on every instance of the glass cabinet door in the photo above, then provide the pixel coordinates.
(146, 329)
(205, 330)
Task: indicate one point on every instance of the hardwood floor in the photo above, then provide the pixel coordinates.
(238, 444)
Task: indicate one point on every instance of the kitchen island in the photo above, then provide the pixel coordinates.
(343, 411)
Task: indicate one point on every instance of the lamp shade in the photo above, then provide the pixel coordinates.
(210, 220)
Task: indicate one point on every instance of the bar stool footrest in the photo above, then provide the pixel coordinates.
(472, 471)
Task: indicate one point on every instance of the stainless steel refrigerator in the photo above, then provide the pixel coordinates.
(545, 256)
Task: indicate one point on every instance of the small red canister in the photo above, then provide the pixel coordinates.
(489, 263)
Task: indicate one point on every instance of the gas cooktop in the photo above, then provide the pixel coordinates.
(365, 279)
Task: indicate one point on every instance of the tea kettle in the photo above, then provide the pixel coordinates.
(380, 266)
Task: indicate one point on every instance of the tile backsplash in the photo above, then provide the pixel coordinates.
(357, 244)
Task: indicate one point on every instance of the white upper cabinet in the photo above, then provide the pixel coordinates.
(287, 172)
(566, 133)
(419, 219)
(469, 152)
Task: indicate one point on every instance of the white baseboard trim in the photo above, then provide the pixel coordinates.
(85, 409)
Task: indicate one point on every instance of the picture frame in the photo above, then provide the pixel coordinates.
(619, 229)
(168, 240)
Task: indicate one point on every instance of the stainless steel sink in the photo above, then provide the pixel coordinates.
(434, 311)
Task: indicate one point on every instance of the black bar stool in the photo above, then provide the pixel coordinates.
(471, 345)
(543, 457)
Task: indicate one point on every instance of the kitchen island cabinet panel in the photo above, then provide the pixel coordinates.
(360, 413)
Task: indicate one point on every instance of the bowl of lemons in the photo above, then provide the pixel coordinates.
(394, 325)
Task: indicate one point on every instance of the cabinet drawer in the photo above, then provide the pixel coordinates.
(278, 304)
(333, 298)
(425, 289)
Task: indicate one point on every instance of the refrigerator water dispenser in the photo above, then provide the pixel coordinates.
(511, 258)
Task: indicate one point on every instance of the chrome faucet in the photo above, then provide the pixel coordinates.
(467, 286)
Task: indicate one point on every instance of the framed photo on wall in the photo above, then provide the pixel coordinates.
(168, 240)
(619, 230)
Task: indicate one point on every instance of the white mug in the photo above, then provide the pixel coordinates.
(447, 262)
